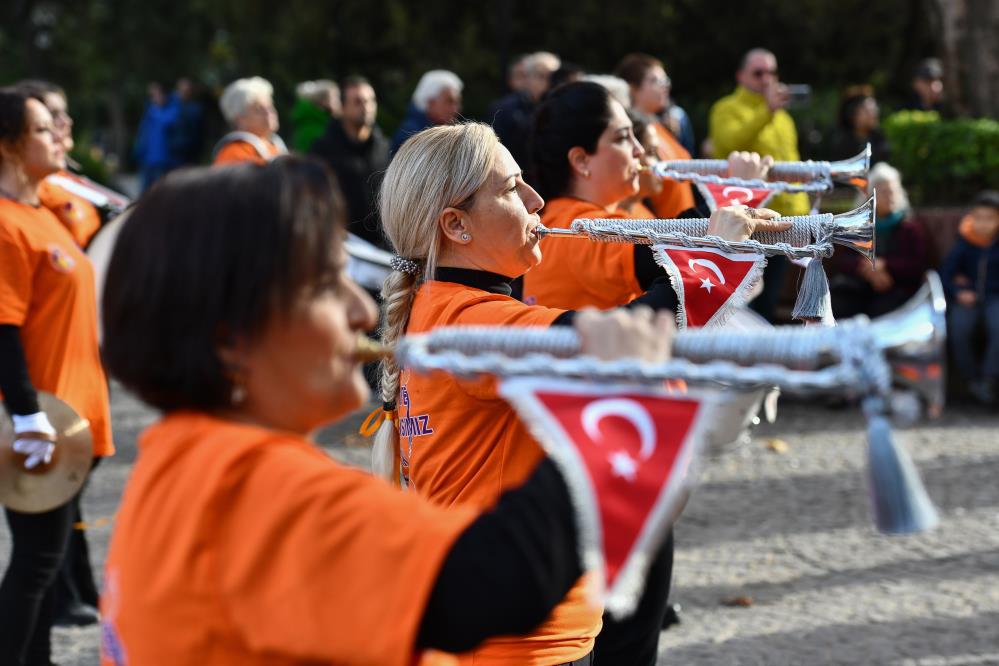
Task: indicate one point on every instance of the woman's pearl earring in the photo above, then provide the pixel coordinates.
(586, 174)
(466, 237)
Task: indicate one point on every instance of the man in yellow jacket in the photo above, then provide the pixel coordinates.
(753, 118)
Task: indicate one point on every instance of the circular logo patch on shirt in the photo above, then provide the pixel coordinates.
(60, 259)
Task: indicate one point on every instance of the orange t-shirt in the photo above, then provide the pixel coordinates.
(243, 151)
(576, 273)
(47, 290)
(461, 443)
(639, 211)
(237, 545)
(78, 215)
(675, 197)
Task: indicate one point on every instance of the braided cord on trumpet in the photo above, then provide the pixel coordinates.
(780, 186)
(809, 236)
(807, 176)
(801, 359)
(416, 353)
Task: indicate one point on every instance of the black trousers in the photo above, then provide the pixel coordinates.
(27, 593)
(635, 640)
(75, 583)
(773, 283)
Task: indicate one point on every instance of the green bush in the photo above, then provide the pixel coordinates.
(944, 161)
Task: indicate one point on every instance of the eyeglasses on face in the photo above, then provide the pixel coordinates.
(760, 73)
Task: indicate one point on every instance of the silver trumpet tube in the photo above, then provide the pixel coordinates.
(851, 171)
(859, 357)
(809, 235)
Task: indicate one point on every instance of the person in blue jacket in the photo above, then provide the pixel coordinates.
(153, 151)
(971, 277)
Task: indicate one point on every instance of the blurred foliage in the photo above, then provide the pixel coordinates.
(105, 52)
(91, 161)
(944, 161)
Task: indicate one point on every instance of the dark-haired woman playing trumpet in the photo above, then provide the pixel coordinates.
(227, 308)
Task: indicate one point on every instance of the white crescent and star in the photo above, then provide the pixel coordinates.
(733, 195)
(706, 283)
(622, 464)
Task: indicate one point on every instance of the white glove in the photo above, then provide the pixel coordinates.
(35, 438)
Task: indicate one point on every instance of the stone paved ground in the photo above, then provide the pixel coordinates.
(791, 531)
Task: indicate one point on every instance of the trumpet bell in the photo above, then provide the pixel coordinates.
(855, 229)
(912, 339)
(853, 170)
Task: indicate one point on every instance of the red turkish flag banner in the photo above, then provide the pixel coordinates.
(718, 196)
(626, 453)
(709, 284)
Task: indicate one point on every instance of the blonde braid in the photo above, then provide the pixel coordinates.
(439, 167)
(398, 293)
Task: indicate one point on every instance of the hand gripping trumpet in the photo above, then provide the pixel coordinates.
(810, 236)
(807, 176)
(861, 358)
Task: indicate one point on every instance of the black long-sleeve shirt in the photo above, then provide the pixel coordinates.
(19, 395)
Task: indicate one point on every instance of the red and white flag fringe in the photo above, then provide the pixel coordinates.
(710, 284)
(628, 456)
(717, 196)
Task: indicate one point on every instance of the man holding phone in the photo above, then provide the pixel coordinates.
(753, 118)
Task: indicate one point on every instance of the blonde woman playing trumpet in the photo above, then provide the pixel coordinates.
(463, 222)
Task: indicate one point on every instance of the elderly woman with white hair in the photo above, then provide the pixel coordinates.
(436, 101)
(897, 273)
(248, 106)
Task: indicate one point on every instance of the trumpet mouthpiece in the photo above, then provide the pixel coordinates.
(369, 351)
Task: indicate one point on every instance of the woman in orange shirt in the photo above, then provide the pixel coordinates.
(80, 217)
(649, 88)
(238, 541)
(586, 164)
(455, 206)
(248, 105)
(48, 342)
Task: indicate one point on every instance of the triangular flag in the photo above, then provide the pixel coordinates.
(709, 283)
(717, 196)
(626, 453)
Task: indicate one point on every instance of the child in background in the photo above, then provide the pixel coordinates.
(971, 278)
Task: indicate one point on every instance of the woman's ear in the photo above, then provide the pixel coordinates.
(231, 351)
(454, 226)
(579, 162)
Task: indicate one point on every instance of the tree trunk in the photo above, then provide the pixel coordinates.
(966, 34)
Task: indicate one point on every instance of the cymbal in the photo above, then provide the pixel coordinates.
(46, 486)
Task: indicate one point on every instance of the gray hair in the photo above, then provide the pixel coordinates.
(542, 61)
(432, 83)
(616, 86)
(884, 173)
(241, 93)
(317, 91)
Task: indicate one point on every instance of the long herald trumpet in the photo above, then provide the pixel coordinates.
(809, 236)
(859, 359)
(801, 176)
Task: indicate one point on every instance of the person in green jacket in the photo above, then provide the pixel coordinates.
(316, 102)
(753, 119)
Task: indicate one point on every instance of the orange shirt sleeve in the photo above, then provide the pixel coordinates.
(349, 560)
(15, 276)
(675, 197)
(78, 215)
(237, 151)
(575, 273)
